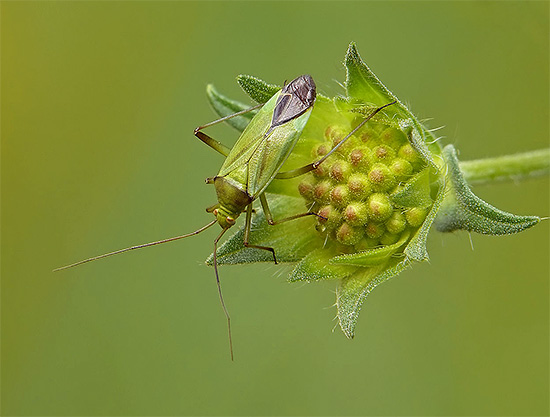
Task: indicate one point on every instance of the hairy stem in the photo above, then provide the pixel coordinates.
(516, 167)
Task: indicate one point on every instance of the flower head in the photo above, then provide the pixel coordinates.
(376, 196)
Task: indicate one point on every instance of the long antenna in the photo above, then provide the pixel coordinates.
(144, 245)
(220, 290)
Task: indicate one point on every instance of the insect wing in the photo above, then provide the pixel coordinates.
(272, 153)
(261, 150)
(249, 140)
(269, 138)
(295, 99)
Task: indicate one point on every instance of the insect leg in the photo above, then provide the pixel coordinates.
(269, 216)
(310, 167)
(214, 144)
(247, 234)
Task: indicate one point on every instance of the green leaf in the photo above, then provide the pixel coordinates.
(361, 83)
(364, 86)
(416, 249)
(462, 210)
(257, 89)
(371, 257)
(416, 192)
(352, 291)
(225, 107)
(316, 266)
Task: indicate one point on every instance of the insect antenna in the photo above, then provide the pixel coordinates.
(220, 290)
(144, 245)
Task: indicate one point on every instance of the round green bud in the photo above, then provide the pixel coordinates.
(320, 150)
(415, 216)
(340, 170)
(322, 171)
(340, 196)
(306, 186)
(389, 238)
(408, 153)
(374, 230)
(401, 168)
(321, 192)
(334, 132)
(381, 178)
(383, 153)
(360, 158)
(332, 217)
(393, 137)
(396, 223)
(355, 214)
(349, 235)
(328, 131)
(379, 207)
(359, 185)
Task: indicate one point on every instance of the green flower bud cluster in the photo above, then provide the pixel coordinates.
(377, 196)
(352, 189)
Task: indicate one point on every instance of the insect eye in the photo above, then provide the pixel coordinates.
(230, 220)
(215, 212)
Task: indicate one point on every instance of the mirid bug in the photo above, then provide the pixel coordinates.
(252, 164)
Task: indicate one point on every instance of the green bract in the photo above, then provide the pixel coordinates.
(377, 196)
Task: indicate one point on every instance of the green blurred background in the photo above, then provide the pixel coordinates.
(99, 101)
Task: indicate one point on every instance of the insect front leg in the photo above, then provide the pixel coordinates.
(269, 216)
(214, 144)
(247, 234)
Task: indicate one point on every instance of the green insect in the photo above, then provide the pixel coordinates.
(252, 164)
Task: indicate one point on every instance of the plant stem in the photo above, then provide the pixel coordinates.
(516, 167)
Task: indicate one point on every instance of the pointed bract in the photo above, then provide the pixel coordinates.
(257, 89)
(463, 210)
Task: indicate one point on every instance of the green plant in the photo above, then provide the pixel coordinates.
(378, 196)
